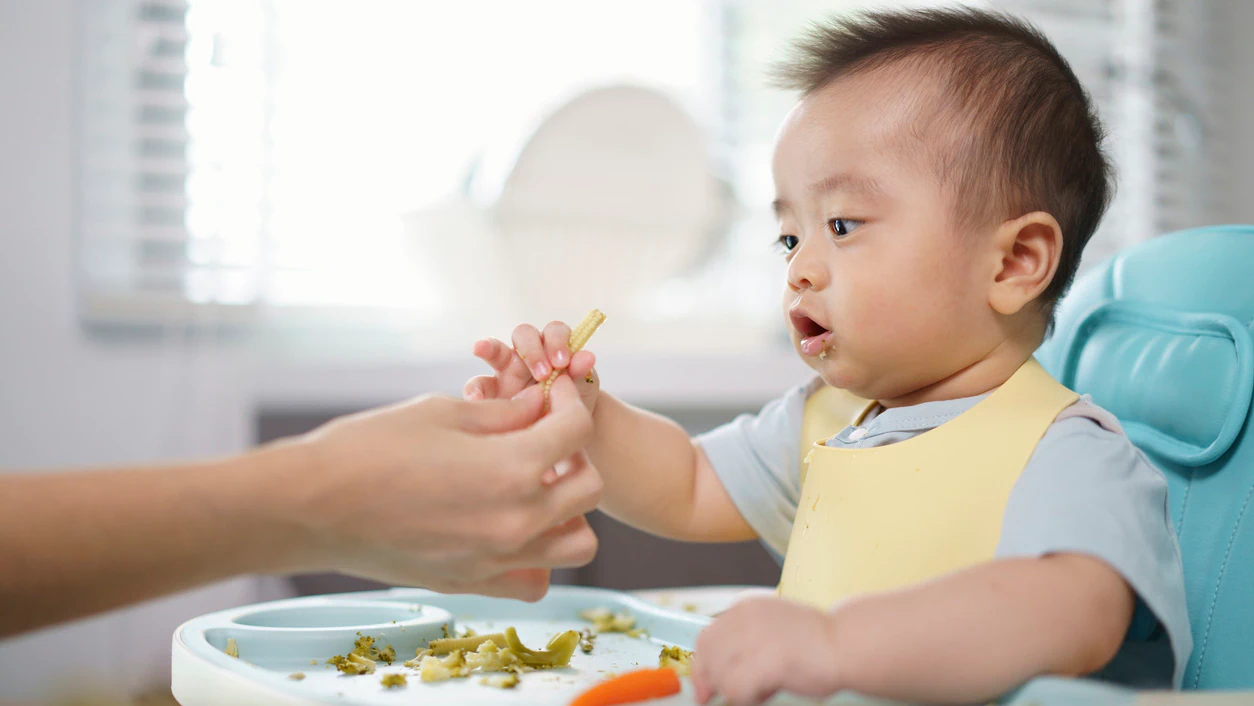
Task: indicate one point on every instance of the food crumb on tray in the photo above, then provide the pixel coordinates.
(605, 620)
(394, 681)
(500, 681)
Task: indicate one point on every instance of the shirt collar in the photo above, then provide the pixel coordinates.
(918, 418)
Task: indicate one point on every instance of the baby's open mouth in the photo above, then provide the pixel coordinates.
(814, 336)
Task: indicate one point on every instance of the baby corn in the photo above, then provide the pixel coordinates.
(578, 338)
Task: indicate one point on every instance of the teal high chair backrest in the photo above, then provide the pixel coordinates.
(1160, 336)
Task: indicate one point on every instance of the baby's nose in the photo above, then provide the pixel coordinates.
(802, 275)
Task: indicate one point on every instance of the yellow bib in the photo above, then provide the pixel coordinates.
(881, 518)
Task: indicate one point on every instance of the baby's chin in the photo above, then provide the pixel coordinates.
(836, 371)
(826, 363)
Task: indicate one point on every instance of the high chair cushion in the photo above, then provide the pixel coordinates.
(1159, 335)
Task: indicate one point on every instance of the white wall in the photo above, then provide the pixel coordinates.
(65, 400)
(1233, 141)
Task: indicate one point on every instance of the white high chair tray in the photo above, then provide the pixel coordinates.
(280, 638)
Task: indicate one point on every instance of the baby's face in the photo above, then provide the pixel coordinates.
(885, 296)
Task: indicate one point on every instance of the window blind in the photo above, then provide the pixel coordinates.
(242, 154)
(247, 156)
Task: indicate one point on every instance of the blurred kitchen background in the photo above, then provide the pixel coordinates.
(224, 221)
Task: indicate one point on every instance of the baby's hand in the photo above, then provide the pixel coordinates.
(532, 358)
(763, 646)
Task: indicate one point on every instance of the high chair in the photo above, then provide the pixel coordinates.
(1160, 335)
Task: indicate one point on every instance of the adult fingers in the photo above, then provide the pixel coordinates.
(554, 501)
(523, 584)
(567, 428)
(557, 344)
(480, 387)
(575, 493)
(530, 348)
(569, 545)
(500, 416)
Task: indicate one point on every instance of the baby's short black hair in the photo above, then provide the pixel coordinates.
(1023, 134)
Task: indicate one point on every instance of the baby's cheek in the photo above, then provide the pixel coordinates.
(872, 317)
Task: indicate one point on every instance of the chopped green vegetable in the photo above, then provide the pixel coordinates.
(555, 654)
(501, 652)
(364, 646)
(387, 654)
(676, 658)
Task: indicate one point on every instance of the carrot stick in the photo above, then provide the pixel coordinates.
(630, 688)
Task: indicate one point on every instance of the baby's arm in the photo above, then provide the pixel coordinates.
(656, 478)
(969, 636)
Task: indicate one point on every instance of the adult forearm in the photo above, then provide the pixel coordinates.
(964, 637)
(76, 543)
(648, 465)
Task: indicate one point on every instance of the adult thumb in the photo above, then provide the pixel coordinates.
(501, 416)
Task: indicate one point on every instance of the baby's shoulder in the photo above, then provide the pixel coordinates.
(1084, 415)
(1084, 445)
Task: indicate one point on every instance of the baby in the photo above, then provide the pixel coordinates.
(976, 524)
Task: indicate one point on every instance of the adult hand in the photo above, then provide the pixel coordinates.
(447, 494)
(439, 493)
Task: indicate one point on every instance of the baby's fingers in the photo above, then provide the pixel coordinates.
(530, 348)
(512, 375)
(702, 691)
(495, 353)
(557, 344)
(581, 364)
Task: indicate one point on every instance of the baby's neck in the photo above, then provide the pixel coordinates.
(984, 375)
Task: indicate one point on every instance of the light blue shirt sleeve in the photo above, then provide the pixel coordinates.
(758, 459)
(1088, 490)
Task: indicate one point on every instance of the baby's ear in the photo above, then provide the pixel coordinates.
(1029, 247)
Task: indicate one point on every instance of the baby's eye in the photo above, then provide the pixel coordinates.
(786, 243)
(842, 226)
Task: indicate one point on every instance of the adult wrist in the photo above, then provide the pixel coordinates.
(265, 498)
